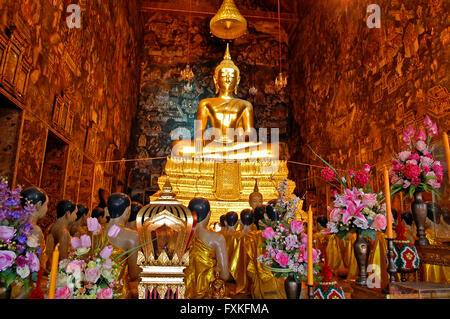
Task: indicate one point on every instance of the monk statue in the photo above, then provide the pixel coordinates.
(208, 254)
(118, 207)
(247, 221)
(79, 227)
(231, 121)
(223, 224)
(39, 199)
(256, 198)
(135, 208)
(59, 233)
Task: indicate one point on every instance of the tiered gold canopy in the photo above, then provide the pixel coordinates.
(228, 23)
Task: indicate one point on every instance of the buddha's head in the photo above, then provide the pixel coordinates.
(227, 75)
(256, 198)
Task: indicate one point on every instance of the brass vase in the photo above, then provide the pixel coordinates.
(292, 287)
(362, 250)
(419, 212)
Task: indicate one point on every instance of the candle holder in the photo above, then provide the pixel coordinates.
(391, 269)
(310, 291)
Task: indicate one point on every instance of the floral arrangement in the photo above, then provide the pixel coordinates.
(415, 169)
(358, 208)
(19, 249)
(286, 205)
(285, 241)
(89, 272)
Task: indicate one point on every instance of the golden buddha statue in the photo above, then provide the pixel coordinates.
(256, 198)
(231, 120)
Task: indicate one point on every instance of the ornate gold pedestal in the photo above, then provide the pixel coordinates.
(226, 185)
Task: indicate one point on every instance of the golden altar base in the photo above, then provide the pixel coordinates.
(226, 185)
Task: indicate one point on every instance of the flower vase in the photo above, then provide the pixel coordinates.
(292, 287)
(419, 212)
(362, 251)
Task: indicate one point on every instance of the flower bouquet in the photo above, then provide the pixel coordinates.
(89, 272)
(358, 209)
(287, 205)
(415, 169)
(19, 249)
(286, 250)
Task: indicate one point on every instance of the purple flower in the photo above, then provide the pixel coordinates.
(106, 252)
(113, 231)
(22, 239)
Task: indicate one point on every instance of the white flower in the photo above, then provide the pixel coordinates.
(23, 272)
(32, 241)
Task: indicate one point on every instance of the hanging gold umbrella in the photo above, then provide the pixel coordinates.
(228, 23)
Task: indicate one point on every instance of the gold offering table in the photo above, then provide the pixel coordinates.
(226, 185)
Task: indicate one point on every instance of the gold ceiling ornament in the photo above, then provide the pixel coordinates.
(228, 23)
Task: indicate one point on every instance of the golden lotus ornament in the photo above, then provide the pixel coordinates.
(168, 227)
(228, 23)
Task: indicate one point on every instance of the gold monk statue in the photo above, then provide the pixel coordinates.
(231, 120)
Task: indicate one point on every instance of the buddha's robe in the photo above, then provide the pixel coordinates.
(264, 284)
(123, 285)
(200, 272)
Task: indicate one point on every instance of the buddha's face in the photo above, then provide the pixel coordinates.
(227, 80)
(255, 200)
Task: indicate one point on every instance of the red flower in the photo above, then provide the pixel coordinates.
(411, 171)
(362, 178)
(327, 174)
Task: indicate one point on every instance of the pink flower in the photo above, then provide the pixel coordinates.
(410, 131)
(369, 200)
(335, 215)
(33, 261)
(397, 166)
(63, 293)
(427, 122)
(404, 155)
(106, 252)
(351, 173)
(406, 138)
(7, 233)
(362, 178)
(433, 182)
(426, 169)
(93, 225)
(420, 136)
(282, 259)
(268, 233)
(296, 226)
(327, 174)
(85, 241)
(7, 258)
(75, 242)
(414, 156)
(75, 267)
(411, 171)
(426, 161)
(415, 181)
(438, 169)
(406, 184)
(334, 192)
(105, 294)
(113, 231)
(367, 167)
(353, 210)
(422, 146)
(92, 275)
(414, 162)
(379, 223)
(433, 130)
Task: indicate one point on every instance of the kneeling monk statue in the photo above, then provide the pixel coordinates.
(208, 253)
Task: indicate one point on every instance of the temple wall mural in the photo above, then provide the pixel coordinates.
(166, 102)
(356, 88)
(82, 87)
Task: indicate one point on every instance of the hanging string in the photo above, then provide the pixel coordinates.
(189, 33)
(279, 32)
